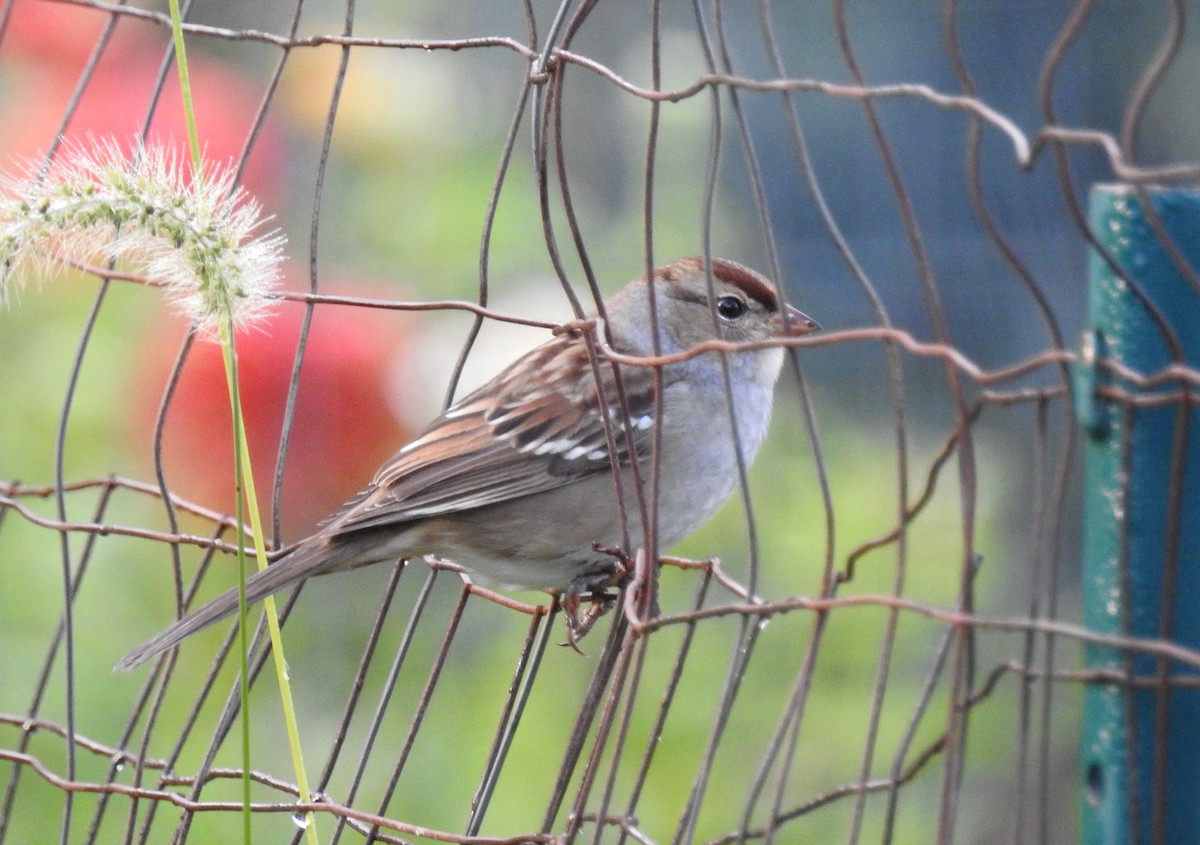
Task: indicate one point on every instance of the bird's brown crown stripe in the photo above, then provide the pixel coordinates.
(731, 273)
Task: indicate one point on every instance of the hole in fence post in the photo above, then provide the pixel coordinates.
(1094, 784)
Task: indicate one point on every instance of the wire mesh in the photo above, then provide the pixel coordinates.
(879, 639)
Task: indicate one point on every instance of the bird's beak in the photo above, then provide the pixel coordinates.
(798, 323)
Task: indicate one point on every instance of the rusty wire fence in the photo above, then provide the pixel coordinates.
(879, 639)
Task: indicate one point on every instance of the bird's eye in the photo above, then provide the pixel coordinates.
(730, 307)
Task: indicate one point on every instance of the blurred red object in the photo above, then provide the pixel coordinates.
(344, 426)
(53, 33)
(44, 52)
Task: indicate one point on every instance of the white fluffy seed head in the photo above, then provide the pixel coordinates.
(193, 234)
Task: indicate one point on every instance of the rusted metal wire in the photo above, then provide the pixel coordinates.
(703, 713)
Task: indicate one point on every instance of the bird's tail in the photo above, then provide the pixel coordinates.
(310, 559)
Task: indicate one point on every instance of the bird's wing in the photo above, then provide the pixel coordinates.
(538, 435)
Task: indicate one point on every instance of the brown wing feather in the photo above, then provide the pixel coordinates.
(533, 439)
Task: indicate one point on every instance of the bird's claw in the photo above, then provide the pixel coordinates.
(622, 564)
(594, 587)
(579, 624)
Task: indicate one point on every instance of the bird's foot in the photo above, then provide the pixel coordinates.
(578, 624)
(622, 564)
(593, 589)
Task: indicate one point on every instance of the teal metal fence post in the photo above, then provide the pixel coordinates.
(1140, 746)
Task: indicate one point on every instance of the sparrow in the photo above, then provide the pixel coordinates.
(518, 483)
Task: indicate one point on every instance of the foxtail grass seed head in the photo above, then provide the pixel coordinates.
(194, 236)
